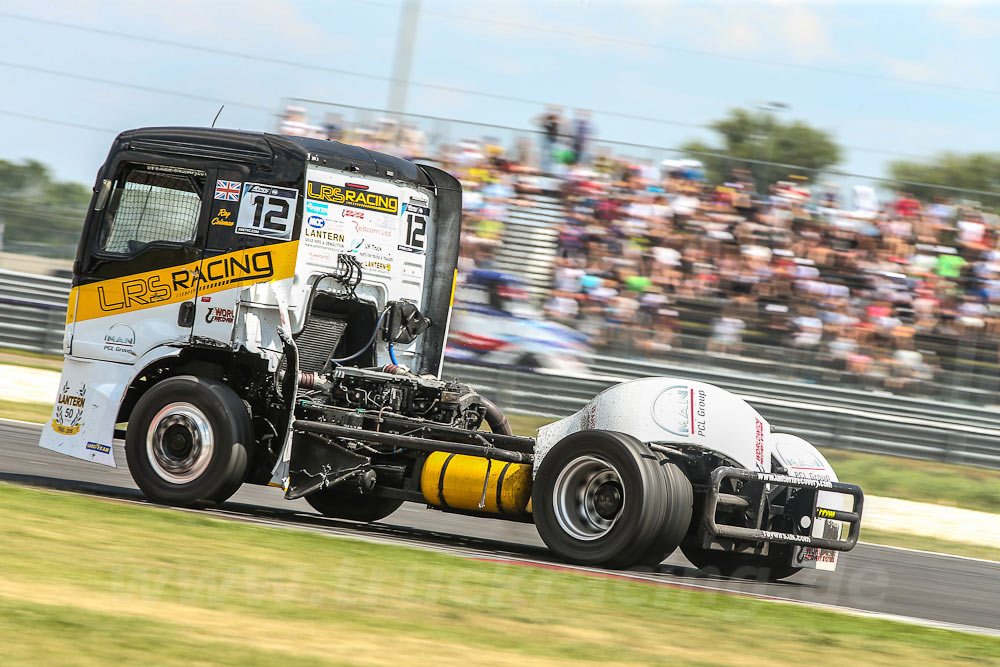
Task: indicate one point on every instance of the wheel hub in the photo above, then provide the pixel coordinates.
(608, 500)
(588, 497)
(179, 443)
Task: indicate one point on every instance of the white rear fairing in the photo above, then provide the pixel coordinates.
(804, 460)
(672, 410)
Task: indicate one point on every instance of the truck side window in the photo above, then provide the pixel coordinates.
(151, 203)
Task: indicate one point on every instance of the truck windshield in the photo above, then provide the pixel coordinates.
(151, 203)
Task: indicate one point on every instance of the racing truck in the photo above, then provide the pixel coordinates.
(252, 308)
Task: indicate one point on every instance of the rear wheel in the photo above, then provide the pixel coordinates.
(349, 503)
(677, 518)
(599, 499)
(188, 441)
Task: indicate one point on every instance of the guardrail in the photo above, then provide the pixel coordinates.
(32, 316)
(32, 311)
(856, 428)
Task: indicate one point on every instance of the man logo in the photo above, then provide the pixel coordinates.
(673, 410)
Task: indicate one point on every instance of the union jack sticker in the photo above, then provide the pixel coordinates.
(228, 190)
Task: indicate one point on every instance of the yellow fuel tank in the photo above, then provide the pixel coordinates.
(456, 480)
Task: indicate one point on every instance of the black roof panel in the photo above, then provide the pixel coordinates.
(260, 145)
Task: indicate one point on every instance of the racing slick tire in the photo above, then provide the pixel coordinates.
(188, 441)
(599, 499)
(680, 499)
(349, 503)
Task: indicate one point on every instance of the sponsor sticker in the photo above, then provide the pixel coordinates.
(322, 237)
(363, 229)
(759, 443)
(179, 283)
(98, 447)
(120, 338)
(681, 410)
(225, 315)
(228, 190)
(355, 196)
(316, 221)
(67, 415)
(416, 209)
(317, 208)
(267, 210)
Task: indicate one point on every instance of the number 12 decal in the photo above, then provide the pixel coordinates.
(266, 210)
(279, 210)
(416, 227)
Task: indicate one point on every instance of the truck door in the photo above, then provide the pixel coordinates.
(138, 278)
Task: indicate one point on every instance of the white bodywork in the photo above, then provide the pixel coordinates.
(116, 328)
(803, 460)
(677, 411)
(90, 393)
(672, 410)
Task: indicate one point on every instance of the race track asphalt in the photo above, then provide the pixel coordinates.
(934, 588)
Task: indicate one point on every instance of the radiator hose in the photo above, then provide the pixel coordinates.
(496, 418)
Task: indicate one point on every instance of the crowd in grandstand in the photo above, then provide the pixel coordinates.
(855, 282)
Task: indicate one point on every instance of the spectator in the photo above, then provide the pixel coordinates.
(646, 247)
(551, 124)
(582, 132)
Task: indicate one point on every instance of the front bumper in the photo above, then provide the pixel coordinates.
(757, 489)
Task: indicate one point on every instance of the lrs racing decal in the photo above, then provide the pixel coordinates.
(355, 196)
(180, 283)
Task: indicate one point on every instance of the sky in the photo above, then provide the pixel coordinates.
(888, 81)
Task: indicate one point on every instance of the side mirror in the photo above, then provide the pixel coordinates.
(102, 195)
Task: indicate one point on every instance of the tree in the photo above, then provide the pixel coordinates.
(748, 135)
(973, 171)
(40, 216)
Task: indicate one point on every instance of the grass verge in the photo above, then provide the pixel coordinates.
(29, 412)
(107, 581)
(922, 481)
(925, 543)
(48, 362)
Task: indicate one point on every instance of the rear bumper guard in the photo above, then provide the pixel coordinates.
(756, 484)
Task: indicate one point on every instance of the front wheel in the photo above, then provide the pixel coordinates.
(188, 441)
(599, 499)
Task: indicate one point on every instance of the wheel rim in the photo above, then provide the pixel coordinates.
(179, 443)
(588, 498)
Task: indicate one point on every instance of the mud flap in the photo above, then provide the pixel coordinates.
(317, 463)
(85, 410)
